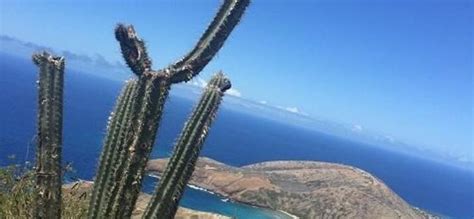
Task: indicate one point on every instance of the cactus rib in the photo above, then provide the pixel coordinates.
(186, 151)
(110, 148)
(210, 42)
(151, 110)
(119, 156)
(122, 177)
(48, 152)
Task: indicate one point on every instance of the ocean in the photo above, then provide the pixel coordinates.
(236, 138)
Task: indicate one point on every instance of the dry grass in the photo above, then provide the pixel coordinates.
(16, 198)
(17, 194)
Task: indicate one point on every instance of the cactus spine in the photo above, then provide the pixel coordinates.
(141, 142)
(117, 124)
(135, 120)
(186, 151)
(48, 151)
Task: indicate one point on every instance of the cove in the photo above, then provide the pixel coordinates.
(198, 199)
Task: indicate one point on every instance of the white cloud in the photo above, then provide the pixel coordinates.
(263, 102)
(199, 82)
(96, 60)
(234, 92)
(357, 128)
(293, 109)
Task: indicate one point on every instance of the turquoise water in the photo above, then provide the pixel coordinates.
(236, 139)
(205, 201)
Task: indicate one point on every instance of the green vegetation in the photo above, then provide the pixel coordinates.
(50, 123)
(17, 195)
(134, 123)
(131, 131)
(16, 192)
(186, 151)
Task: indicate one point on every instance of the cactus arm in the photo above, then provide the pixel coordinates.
(48, 153)
(147, 123)
(120, 158)
(133, 49)
(110, 144)
(113, 206)
(169, 179)
(186, 166)
(171, 186)
(177, 152)
(210, 42)
(123, 175)
(113, 170)
(57, 122)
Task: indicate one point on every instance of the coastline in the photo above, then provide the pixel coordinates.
(225, 198)
(293, 186)
(142, 202)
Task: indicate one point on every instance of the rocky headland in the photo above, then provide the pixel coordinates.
(305, 189)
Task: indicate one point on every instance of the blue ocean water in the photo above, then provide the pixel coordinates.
(236, 138)
(87, 103)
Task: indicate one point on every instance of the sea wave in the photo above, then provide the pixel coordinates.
(195, 187)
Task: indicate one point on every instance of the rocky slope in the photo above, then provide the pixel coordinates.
(303, 188)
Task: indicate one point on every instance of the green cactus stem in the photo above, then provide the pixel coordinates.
(139, 147)
(186, 151)
(211, 41)
(133, 49)
(122, 166)
(115, 128)
(50, 123)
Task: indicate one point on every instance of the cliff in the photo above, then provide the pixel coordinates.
(303, 188)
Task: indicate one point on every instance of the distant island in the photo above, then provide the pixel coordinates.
(305, 189)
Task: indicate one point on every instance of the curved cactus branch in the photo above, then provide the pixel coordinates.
(210, 42)
(133, 49)
(48, 152)
(136, 57)
(186, 151)
(120, 177)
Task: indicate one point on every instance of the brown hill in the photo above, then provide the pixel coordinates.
(303, 188)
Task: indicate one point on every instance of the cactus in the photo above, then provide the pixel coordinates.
(48, 177)
(186, 151)
(133, 124)
(113, 145)
(140, 141)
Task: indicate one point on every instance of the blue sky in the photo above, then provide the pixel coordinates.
(403, 68)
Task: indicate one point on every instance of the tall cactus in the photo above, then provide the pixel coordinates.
(186, 151)
(113, 145)
(48, 152)
(135, 120)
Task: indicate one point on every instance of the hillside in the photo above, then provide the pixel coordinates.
(303, 188)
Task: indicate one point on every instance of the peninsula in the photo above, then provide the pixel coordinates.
(305, 189)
